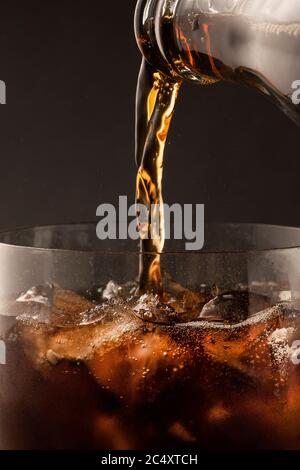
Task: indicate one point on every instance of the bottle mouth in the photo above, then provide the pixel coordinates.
(148, 34)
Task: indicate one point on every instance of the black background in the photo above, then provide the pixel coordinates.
(67, 131)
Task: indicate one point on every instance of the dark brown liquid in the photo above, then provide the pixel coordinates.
(156, 99)
(120, 383)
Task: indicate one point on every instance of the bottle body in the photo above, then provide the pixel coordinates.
(256, 42)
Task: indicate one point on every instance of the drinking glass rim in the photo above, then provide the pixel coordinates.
(107, 252)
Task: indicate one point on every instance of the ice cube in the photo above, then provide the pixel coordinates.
(111, 291)
(40, 294)
(35, 305)
(285, 296)
(140, 362)
(149, 308)
(186, 303)
(276, 292)
(279, 344)
(68, 302)
(53, 305)
(234, 307)
(244, 346)
(75, 334)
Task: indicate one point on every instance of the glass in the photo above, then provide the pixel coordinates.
(87, 363)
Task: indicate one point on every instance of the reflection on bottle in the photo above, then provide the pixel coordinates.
(251, 42)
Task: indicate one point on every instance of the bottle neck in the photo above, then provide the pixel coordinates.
(256, 41)
(149, 17)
